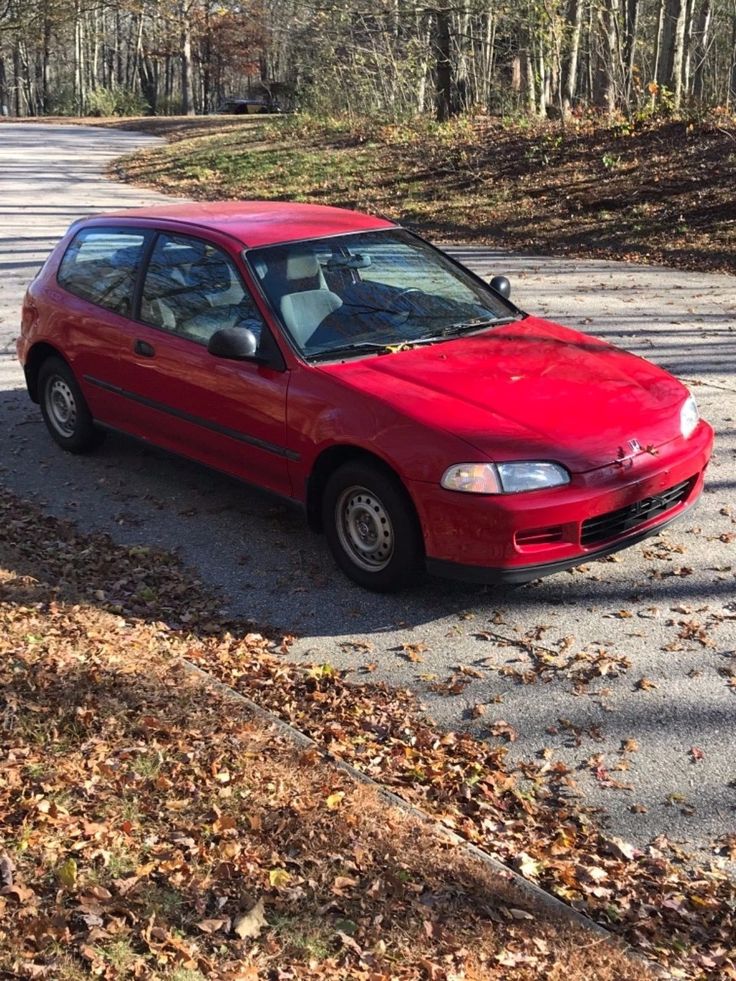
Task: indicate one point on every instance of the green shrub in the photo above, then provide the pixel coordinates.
(101, 102)
(115, 102)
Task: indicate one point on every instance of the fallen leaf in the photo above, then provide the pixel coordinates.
(212, 926)
(67, 873)
(528, 866)
(645, 684)
(343, 882)
(279, 878)
(250, 924)
(7, 868)
(503, 730)
(621, 849)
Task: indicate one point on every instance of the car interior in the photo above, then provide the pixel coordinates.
(192, 289)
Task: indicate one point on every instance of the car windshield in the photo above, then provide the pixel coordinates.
(376, 292)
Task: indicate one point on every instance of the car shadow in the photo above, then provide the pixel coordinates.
(256, 550)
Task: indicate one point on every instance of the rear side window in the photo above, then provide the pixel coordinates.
(101, 266)
(193, 289)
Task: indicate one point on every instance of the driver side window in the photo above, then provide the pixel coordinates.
(193, 289)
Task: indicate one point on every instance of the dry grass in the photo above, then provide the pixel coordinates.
(648, 191)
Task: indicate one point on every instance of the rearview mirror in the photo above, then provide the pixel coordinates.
(356, 261)
(501, 285)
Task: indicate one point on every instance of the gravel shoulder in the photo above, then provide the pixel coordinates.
(561, 661)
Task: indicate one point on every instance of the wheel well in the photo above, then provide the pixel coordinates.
(36, 357)
(326, 464)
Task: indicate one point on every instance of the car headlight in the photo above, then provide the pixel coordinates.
(689, 417)
(503, 478)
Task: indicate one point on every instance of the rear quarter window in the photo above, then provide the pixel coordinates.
(101, 266)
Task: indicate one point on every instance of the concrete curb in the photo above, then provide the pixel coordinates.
(528, 892)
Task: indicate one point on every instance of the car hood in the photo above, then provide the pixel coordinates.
(529, 389)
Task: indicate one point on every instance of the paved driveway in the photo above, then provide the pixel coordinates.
(560, 660)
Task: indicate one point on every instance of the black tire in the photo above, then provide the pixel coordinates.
(372, 528)
(64, 408)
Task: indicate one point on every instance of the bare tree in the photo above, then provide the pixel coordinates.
(394, 57)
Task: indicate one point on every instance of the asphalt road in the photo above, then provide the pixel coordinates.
(560, 660)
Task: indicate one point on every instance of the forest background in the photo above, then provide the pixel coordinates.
(393, 58)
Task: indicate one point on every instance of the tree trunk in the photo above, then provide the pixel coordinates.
(118, 49)
(462, 61)
(4, 107)
(731, 97)
(575, 21)
(187, 82)
(607, 68)
(702, 42)
(688, 46)
(80, 94)
(544, 78)
(42, 75)
(443, 66)
(630, 39)
(673, 48)
(426, 33)
(206, 68)
(149, 82)
(678, 58)
(488, 57)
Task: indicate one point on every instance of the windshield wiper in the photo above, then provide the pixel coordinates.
(462, 327)
(452, 330)
(466, 325)
(356, 347)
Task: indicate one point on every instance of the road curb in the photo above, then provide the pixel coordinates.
(527, 891)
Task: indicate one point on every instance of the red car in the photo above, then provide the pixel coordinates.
(418, 416)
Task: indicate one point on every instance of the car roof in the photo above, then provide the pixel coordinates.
(257, 223)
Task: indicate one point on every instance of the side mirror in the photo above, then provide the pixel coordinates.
(235, 343)
(501, 285)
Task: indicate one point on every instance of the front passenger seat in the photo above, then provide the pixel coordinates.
(304, 310)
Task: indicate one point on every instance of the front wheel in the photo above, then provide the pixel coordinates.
(371, 527)
(65, 409)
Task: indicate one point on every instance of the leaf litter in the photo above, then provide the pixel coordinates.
(144, 820)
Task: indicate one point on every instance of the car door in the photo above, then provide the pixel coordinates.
(228, 414)
(93, 326)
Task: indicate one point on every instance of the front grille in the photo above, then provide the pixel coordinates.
(617, 523)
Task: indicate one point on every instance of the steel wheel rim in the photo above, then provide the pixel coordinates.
(61, 407)
(364, 529)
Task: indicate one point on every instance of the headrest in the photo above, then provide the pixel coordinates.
(179, 255)
(212, 274)
(301, 265)
(261, 268)
(126, 258)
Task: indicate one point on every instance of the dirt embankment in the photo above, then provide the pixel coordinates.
(660, 191)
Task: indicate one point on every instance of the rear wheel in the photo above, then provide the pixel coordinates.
(64, 408)
(371, 527)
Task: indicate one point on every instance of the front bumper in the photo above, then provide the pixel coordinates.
(519, 537)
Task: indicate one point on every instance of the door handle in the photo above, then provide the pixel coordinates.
(144, 348)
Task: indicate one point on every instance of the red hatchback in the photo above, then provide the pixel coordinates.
(421, 419)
